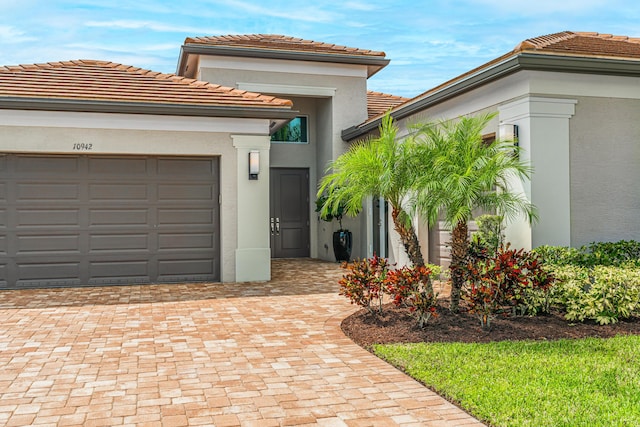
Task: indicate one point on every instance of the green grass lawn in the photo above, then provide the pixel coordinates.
(590, 382)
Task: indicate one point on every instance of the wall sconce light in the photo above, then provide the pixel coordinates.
(254, 164)
(507, 132)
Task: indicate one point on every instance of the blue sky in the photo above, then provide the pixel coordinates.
(428, 41)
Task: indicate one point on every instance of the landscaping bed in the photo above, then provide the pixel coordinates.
(396, 325)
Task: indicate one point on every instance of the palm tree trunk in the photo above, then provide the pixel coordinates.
(408, 238)
(459, 250)
(411, 244)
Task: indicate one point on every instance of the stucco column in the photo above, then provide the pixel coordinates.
(253, 253)
(543, 125)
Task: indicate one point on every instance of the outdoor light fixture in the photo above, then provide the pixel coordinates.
(508, 132)
(254, 164)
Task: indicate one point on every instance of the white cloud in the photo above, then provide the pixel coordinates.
(298, 12)
(12, 34)
(361, 6)
(126, 24)
(542, 7)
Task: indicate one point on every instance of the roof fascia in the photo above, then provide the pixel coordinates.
(373, 64)
(18, 103)
(521, 61)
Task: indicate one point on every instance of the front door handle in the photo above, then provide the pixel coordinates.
(273, 228)
(277, 225)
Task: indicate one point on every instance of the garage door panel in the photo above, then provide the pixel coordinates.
(38, 191)
(3, 245)
(50, 218)
(170, 269)
(3, 192)
(118, 166)
(118, 217)
(116, 192)
(3, 218)
(188, 241)
(48, 244)
(120, 270)
(186, 168)
(61, 271)
(185, 216)
(119, 242)
(184, 192)
(47, 165)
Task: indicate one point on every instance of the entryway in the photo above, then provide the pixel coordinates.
(289, 213)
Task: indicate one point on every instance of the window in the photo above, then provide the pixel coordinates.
(294, 132)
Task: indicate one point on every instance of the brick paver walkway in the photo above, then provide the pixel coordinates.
(261, 354)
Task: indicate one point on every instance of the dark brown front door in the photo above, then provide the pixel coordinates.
(289, 213)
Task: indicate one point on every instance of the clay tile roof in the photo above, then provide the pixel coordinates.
(583, 44)
(88, 80)
(589, 45)
(380, 103)
(280, 43)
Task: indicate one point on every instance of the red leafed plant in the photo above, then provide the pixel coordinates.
(411, 287)
(364, 283)
(507, 283)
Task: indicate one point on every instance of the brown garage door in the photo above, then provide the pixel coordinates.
(93, 220)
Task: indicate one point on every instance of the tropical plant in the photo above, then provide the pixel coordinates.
(618, 254)
(378, 167)
(329, 216)
(411, 287)
(509, 282)
(364, 284)
(490, 234)
(604, 294)
(459, 173)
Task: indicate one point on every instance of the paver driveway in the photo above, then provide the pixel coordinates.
(259, 354)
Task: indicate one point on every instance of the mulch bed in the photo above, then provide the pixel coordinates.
(397, 326)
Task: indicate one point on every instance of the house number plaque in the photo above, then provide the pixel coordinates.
(82, 147)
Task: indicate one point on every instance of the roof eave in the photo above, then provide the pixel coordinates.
(446, 92)
(374, 64)
(510, 65)
(91, 106)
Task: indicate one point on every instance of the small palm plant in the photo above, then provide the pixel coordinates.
(461, 173)
(376, 167)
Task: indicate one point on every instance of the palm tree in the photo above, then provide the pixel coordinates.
(461, 173)
(378, 167)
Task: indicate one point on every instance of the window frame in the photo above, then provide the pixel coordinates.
(305, 127)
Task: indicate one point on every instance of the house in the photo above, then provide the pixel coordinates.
(574, 99)
(111, 174)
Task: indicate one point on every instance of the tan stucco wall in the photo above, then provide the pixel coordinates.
(605, 170)
(328, 116)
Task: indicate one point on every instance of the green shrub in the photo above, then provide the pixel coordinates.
(614, 254)
(560, 255)
(622, 253)
(490, 234)
(604, 294)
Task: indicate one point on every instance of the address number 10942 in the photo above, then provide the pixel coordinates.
(82, 147)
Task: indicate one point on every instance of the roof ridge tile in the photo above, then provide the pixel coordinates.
(279, 42)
